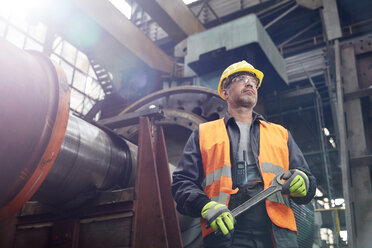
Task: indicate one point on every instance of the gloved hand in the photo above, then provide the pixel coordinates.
(218, 217)
(297, 183)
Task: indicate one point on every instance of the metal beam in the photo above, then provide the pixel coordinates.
(364, 160)
(358, 94)
(331, 20)
(131, 118)
(115, 23)
(298, 93)
(298, 34)
(281, 16)
(174, 17)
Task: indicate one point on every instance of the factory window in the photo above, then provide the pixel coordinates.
(88, 104)
(18, 19)
(82, 62)
(85, 89)
(33, 45)
(123, 7)
(15, 26)
(77, 101)
(16, 37)
(93, 89)
(69, 52)
(67, 68)
(79, 81)
(38, 32)
(189, 1)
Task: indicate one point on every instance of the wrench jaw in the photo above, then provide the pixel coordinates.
(278, 180)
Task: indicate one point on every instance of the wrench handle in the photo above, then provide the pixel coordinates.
(254, 200)
(276, 185)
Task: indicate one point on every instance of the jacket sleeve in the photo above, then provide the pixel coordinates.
(187, 179)
(297, 161)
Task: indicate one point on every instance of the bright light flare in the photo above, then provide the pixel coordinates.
(326, 131)
(189, 1)
(25, 6)
(123, 7)
(318, 193)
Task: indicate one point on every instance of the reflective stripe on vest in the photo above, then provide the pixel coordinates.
(275, 169)
(212, 177)
(273, 160)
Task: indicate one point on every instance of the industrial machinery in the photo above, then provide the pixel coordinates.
(71, 181)
(79, 173)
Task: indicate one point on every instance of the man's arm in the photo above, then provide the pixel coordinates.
(187, 179)
(297, 161)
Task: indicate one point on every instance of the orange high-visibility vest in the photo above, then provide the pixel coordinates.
(273, 160)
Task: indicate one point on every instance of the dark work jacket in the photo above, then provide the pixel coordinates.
(187, 188)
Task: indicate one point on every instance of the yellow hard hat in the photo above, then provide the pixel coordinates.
(239, 67)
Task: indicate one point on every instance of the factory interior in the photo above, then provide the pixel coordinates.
(100, 96)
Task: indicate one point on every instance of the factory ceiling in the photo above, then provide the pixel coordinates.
(292, 27)
(355, 20)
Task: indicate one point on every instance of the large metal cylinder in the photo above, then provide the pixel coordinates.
(89, 160)
(65, 159)
(34, 112)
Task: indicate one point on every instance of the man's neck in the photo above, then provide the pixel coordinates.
(241, 114)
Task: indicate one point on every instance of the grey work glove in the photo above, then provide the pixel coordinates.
(218, 217)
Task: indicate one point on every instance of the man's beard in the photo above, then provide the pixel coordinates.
(247, 102)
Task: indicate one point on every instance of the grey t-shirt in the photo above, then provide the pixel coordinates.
(245, 147)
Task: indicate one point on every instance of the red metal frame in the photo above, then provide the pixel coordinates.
(155, 221)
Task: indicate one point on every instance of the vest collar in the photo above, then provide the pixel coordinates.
(256, 117)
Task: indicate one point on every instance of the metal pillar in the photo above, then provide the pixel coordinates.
(357, 144)
(345, 168)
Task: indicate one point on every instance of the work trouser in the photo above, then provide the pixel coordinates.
(240, 239)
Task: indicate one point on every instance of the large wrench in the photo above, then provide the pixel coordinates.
(276, 185)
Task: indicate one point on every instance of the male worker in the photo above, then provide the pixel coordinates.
(227, 161)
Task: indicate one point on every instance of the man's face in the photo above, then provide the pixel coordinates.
(242, 91)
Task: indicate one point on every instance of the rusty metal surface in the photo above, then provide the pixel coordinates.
(149, 229)
(65, 233)
(185, 108)
(34, 113)
(170, 215)
(7, 232)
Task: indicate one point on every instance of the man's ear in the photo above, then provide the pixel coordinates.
(224, 93)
